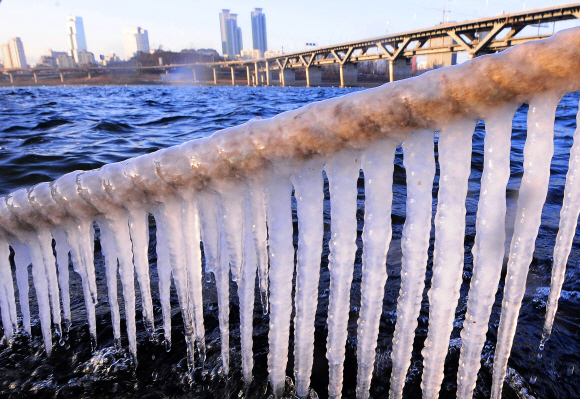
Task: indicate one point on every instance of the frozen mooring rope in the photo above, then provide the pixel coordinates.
(232, 191)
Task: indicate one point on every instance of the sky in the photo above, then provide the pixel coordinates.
(184, 24)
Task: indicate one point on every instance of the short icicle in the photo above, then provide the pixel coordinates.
(343, 172)
(109, 250)
(538, 152)
(419, 162)
(455, 167)
(231, 212)
(308, 185)
(378, 166)
(246, 287)
(281, 254)
(568, 223)
(260, 238)
(488, 249)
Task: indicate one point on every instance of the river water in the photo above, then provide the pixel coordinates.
(46, 132)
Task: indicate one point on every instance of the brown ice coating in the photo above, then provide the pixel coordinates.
(472, 90)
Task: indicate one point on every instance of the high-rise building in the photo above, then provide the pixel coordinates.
(135, 40)
(231, 34)
(76, 37)
(259, 31)
(13, 54)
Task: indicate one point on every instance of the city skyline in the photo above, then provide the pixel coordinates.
(39, 24)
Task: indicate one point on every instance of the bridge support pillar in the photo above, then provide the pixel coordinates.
(194, 75)
(233, 76)
(35, 78)
(257, 74)
(11, 78)
(214, 76)
(391, 72)
(62, 77)
(268, 74)
(313, 76)
(90, 75)
(348, 75)
(287, 77)
(249, 75)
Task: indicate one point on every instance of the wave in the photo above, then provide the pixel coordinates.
(116, 127)
(165, 120)
(50, 124)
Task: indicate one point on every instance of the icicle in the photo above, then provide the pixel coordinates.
(169, 214)
(246, 286)
(258, 212)
(343, 172)
(45, 241)
(568, 223)
(216, 261)
(109, 250)
(538, 152)
(308, 186)
(281, 254)
(231, 212)
(378, 166)
(191, 235)
(164, 276)
(79, 238)
(139, 240)
(62, 252)
(22, 261)
(455, 167)
(489, 248)
(7, 283)
(419, 162)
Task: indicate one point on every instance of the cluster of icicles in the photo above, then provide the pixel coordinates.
(246, 230)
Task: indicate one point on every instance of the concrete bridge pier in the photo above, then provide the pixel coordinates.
(90, 75)
(257, 74)
(248, 75)
(11, 78)
(287, 77)
(233, 76)
(348, 75)
(313, 76)
(35, 78)
(268, 74)
(62, 77)
(214, 76)
(194, 75)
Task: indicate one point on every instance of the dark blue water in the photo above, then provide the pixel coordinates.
(46, 132)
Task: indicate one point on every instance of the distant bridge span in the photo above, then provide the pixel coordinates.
(476, 37)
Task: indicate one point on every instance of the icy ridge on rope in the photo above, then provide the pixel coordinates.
(231, 193)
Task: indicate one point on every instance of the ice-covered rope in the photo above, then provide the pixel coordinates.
(232, 192)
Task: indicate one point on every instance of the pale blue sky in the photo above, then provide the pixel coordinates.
(179, 24)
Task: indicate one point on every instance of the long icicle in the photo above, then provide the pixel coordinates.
(343, 172)
(45, 241)
(246, 287)
(378, 166)
(8, 285)
(568, 223)
(419, 162)
(455, 167)
(257, 202)
(22, 261)
(169, 214)
(281, 254)
(231, 212)
(192, 239)
(538, 152)
(308, 185)
(489, 248)
(109, 250)
(164, 275)
(62, 252)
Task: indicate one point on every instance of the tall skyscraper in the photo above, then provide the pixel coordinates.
(135, 40)
(76, 37)
(13, 54)
(259, 31)
(231, 34)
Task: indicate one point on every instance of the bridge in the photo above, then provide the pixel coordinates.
(476, 37)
